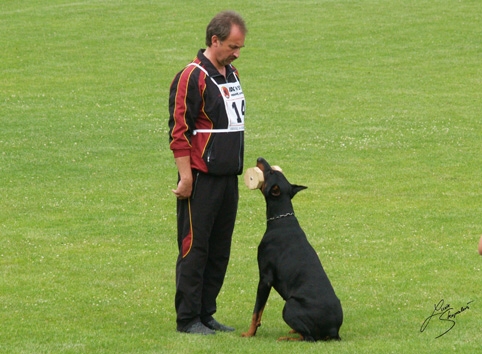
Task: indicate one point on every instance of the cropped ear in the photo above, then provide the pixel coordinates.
(295, 189)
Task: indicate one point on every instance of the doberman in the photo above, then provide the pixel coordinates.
(289, 263)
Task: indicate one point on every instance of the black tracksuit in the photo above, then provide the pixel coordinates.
(206, 219)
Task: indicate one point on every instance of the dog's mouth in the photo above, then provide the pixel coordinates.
(273, 189)
(262, 164)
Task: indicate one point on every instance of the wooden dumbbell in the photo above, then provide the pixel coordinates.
(254, 178)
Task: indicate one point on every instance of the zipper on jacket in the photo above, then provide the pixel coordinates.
(210, 149)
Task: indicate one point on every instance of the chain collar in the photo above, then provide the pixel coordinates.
(280, 216)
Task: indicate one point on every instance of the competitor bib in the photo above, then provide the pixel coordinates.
(234, 103)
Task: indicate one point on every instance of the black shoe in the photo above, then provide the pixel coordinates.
(198, 328)
(215, 325)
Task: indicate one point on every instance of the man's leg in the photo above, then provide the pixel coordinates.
(194, 228)
(219, 248)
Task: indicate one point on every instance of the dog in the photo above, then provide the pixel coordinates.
(288, 262)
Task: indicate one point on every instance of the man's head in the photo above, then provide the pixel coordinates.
(220, 26)
(225, 36)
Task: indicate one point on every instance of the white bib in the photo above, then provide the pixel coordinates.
(234, 102)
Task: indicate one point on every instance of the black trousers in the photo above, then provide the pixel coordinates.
(205, 228)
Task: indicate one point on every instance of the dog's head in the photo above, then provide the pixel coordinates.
(275, 185)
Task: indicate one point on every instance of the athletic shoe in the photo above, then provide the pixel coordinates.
(199, 328)
(215, 325)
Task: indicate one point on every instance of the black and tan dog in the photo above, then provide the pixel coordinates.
(289, 263)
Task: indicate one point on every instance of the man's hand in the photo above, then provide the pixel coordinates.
(184, 187)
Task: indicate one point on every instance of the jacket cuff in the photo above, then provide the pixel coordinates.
(181, 153)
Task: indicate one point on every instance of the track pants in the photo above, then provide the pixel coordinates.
(205, 227)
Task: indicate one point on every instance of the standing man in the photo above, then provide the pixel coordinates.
(206, 107)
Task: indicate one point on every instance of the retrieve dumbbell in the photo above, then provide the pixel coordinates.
(254, 178)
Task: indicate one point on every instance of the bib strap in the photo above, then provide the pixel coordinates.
(216, 131)
(233, 128)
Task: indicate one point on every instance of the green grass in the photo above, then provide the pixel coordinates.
(373, 104)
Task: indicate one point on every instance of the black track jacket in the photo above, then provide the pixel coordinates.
(195, 102)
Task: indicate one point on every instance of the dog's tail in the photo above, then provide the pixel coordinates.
(334, 334)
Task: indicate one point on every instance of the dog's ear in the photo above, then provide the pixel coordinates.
(295, 189)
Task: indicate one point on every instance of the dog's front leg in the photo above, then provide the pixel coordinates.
(255, 323)
(261, 299)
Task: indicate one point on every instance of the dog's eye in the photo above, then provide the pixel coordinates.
(275, 191)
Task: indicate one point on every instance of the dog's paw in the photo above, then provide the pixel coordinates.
(291, 339)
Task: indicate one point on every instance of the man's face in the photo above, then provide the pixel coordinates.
(228, 50)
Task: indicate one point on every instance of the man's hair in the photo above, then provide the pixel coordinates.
(220, 26)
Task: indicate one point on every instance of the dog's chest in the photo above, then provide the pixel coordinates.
(288, 243)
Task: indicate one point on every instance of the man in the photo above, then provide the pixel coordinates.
(206, 107)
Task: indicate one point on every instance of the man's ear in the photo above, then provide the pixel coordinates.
(215, 40)
(295, 189)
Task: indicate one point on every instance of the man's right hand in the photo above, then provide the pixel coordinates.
(184, 187)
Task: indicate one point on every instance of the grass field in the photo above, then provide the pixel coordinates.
(375, 105)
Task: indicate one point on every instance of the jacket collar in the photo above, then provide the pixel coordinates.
(206, 64)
